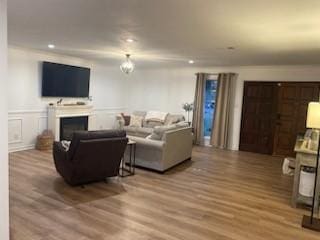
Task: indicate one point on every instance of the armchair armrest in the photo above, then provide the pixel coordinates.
(62, 161)
(59, 152)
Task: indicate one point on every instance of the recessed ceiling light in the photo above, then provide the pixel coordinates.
(51, 46)
(191, 61)
(129, 40)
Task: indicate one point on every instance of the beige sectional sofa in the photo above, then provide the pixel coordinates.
(160, 145)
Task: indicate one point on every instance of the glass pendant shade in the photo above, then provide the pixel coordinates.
(127, 66)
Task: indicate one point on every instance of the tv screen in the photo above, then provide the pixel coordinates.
(59, 80)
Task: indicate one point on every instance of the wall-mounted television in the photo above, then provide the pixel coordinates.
(59, 80)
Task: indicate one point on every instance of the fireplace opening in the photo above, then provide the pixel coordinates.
(69, 125)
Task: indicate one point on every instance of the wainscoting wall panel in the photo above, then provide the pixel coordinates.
(42, 123)
(15, 135)
(24, 126)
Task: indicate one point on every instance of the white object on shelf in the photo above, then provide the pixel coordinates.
(288, 166)
(306, 183)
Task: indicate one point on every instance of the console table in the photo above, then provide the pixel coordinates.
(304, 158)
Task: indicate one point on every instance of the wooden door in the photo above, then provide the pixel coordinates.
(258, 117)
(293, 102)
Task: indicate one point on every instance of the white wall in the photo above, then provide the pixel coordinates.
(4, 172)
(113, 92)
(161, 89)
(27, 109)
(167, 89)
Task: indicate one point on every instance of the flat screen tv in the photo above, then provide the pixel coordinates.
(59, 80)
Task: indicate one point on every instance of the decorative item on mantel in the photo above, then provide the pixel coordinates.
(45, 141)
(187, 107)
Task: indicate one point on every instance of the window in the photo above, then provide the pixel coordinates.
(209, 106)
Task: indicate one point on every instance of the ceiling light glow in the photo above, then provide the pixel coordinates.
(191, 62)
(51, 46)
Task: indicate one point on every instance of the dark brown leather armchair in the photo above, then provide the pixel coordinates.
(92, 156)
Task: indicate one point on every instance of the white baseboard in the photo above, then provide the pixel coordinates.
(21, 148)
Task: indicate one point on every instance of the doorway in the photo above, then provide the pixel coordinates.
(209, 108)
(273, 114)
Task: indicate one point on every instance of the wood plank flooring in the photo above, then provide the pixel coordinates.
(219, 195)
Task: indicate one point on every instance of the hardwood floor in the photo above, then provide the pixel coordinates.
(218, 195)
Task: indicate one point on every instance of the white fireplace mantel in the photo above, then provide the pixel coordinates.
(56, 112)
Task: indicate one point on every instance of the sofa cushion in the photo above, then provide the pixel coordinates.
(159, 131)
(135, 121)
(151, 124)
(138, 131)
(130, 130)
(148, 143)
(144, 132)
(174, 118)
(182, 124)
(156, 116)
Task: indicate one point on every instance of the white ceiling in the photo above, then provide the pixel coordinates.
(170, 32)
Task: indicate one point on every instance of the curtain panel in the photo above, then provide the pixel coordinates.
(197, 120)
(220, 134)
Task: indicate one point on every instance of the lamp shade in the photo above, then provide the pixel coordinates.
(313, 115)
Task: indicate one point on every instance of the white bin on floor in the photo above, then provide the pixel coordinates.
(306, 185)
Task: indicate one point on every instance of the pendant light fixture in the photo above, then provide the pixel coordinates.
(127, 66)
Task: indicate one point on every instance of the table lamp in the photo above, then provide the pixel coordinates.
(313, 121)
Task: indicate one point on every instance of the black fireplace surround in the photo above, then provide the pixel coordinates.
(69, 125)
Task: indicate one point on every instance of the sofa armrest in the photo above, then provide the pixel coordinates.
(179, 134)
(178, 145)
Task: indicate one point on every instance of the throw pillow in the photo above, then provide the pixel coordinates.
(151, 124)
(126, 119)
(66, 144)
(182, 125)
(136, 121)
(156, 116)
(173, 118)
